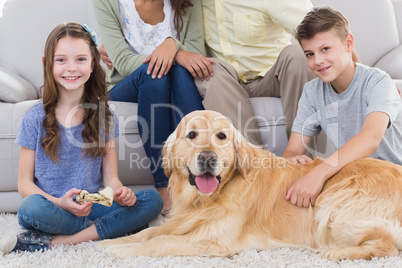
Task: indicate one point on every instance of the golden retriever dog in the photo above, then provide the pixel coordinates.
(229, 196)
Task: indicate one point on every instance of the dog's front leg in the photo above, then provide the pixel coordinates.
(178, 245)
(138, 237)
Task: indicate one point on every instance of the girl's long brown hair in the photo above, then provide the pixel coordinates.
(97, 119)
(179, 7)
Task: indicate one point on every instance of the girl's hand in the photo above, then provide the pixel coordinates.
(300, 159)
(161, 58)
(305, 191)
(67, 203)
(125, 196)
(199, 66)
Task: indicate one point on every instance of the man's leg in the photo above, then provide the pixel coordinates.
(223, 93)
(286, 80)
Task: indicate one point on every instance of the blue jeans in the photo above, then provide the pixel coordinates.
(162, 103)
(36, 212)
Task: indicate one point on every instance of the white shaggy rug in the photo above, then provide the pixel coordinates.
(85, 255)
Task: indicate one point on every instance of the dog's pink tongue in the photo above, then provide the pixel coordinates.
(206, 183)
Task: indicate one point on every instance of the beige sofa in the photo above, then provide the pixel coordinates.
(23, 30)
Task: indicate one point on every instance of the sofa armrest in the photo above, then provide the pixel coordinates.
(392, 63)
(398, 14)
(14, 88)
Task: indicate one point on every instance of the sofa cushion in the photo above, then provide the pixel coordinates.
(392, 63)
(14, 88)
(11, 114)
(271, 123)
(133, 161)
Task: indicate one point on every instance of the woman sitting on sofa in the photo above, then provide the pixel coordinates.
(143, 39)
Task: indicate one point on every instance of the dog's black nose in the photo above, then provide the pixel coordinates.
(207, 160)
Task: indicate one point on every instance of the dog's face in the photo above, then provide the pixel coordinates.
(202, 151)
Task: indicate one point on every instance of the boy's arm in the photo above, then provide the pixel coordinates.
(305, 191)
(296, 148)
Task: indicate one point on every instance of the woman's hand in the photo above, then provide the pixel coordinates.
(125, 196)
(67, 203)
(105, 57)
(199, 66)
(161, 58)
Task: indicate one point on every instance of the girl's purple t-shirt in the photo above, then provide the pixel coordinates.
(72, 170)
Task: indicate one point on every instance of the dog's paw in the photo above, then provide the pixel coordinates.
(121, 251)
(104, 243)
(334, 255)
(113, 249)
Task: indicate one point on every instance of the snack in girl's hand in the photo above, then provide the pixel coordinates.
(104, 197)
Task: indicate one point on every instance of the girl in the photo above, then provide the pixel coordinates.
(68, 146)
(143, 38)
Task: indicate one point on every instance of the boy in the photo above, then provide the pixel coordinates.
(358, 107)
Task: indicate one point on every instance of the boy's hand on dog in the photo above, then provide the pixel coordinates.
(125, 196)
(300, 159)
(305, 191)
(67, 203)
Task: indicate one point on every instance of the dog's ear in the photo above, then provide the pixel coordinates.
(167, 153)
(244, 154)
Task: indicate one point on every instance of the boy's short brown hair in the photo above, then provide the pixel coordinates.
(322, 19)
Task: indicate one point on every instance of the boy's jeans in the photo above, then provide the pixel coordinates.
(37, 212)
(162, 103)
